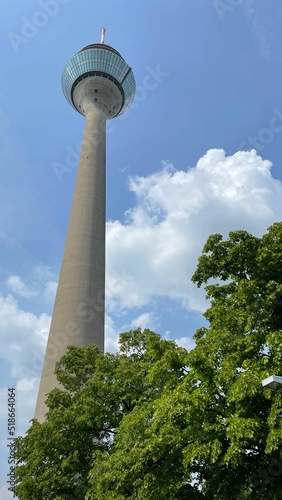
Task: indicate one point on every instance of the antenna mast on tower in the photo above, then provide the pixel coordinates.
(103, 35)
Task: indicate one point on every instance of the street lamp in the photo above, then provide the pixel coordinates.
(273, 382)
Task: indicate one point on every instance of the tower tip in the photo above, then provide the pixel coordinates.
(103, 35)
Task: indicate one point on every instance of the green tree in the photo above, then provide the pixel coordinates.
(218, 433)
(155, 422)
(84, 418)
(241, 423)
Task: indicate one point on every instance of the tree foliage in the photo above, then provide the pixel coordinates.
(156, 422)
(85, 418)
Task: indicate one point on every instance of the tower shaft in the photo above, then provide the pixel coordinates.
(100, 85)
(78, 316)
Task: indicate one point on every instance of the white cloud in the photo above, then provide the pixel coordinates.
(43, 273)
(50, 290)
(145, 320)
(22, 338)
(27, 384)
(186, 342)
(111, 335)
(16, 284)
(265, 24)
(22, 343)
(154, 253)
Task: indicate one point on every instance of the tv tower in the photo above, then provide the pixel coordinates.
(100, 85)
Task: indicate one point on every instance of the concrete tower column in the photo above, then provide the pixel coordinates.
(78, 316)
(99, 84)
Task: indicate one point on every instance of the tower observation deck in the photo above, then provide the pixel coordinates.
(100, 85)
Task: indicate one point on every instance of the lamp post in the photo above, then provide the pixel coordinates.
(274, 382)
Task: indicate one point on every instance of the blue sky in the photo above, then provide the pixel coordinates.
(191, 157)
